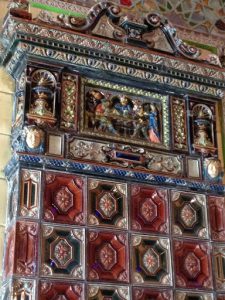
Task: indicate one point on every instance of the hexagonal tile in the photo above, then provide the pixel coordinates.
(107, 256)
(188, 215)
(151, 261)
(63, 199)
(192, 265)
(61, 252)
(148, 210)
(106, 205)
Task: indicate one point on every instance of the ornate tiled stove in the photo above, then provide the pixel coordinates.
(115, 183)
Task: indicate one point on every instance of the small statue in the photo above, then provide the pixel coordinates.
(41, 106)
(42, 103)
(202, 138)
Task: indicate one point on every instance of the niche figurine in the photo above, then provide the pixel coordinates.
(42, 105)
(203, 129)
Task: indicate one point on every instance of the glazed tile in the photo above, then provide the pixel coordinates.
(107, 204)
(107, 256)
(149, 211)
(151, 262)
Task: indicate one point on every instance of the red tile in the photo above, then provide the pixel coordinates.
(9, 253)
(60, 290)
(107, 257)
(149, 209)
(21, 252)
(217, 219)
(26, 248)
(146, 294)
(192, 265)
(64, 198)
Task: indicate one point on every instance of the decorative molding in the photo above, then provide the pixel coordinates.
(111, 52)
(24, 49)
(69, 165)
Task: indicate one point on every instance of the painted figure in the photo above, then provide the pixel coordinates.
(153, 130)
(102, 115)
(141, 124)
(123, 107)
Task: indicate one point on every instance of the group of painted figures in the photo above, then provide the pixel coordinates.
(121, 115)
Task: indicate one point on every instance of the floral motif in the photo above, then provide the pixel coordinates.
(151, 261)
(148, 210)
(188, 215)
(63, 199)
(107, 205)
(192, 265)
(62, 252)
(179, 124)
(107, 257)
(69, 94)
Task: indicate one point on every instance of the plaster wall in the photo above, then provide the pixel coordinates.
(6, 101)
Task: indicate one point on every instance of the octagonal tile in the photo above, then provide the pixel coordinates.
(63, 198)
(151, 262)
(189, 215)
(62, 252)
(107, 257)
(192, 264)
(107, 204)
(149, 211)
